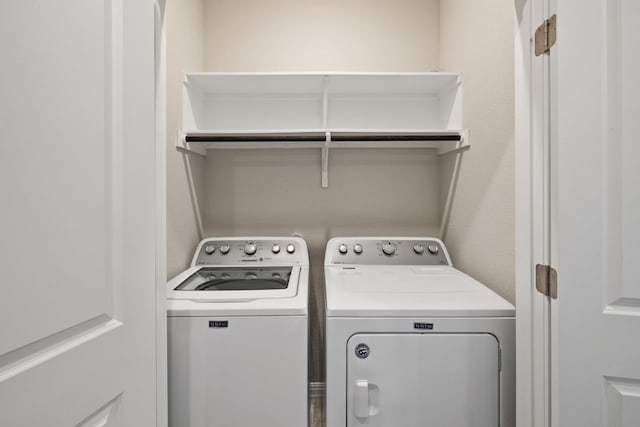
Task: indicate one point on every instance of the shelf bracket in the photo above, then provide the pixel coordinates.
(325, 160)
(461, 147)
(183, 146)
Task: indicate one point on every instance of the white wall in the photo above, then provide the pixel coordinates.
(184, 53)
(476, 38)
(339, 35)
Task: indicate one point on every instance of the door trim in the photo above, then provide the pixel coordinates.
(162, 411)
(532, 221)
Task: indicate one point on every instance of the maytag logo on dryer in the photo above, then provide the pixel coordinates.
(218, 323)
(424, 326)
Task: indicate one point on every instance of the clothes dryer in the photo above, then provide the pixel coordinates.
(411, 341)
(237, 329)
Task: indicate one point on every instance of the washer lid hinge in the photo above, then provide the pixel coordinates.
(546, 36)
(547, 280)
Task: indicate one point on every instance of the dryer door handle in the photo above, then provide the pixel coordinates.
(361, 399)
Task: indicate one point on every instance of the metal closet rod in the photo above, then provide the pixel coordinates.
(321, 137)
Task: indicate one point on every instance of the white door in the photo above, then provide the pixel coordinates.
(595, 102)
(78, 217)
(414, 380)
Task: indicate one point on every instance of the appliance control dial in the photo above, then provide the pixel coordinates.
(224, 249)
(433, 249)
(388, 248)
(275, 248)
(209, 249)
(419, 249)
(250, 248)
(290, 248)
(343, 249)
(357, 248)
(251, 276)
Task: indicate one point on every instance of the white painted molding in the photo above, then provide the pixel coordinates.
(532, 338)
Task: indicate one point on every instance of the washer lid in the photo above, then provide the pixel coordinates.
(239, 283)
(409, 291)
(219, 279)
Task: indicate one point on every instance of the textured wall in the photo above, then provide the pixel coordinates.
(476, 39)
(184, 53)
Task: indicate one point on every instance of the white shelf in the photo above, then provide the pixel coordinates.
(442, 140)
(322, 110)
(286, 101)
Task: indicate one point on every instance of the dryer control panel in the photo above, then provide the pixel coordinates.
(387, 251)
(248, 250)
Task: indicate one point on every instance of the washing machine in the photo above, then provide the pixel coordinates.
(237, 334)
(411, 341)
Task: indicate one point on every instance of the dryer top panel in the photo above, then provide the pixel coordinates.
(409, 291)
(402, 277)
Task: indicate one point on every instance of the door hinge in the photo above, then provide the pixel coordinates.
(547, 280)
(546, 36)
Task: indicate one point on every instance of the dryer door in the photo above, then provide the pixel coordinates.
(412, 380)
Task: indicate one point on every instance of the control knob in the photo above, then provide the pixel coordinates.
(290, 248)
(343, 249)
(209, 249)
(250, 248)
(224, 249)
(419, 249)
(275, 248)
(251, 276)
(388, 248)
(357, 248)
(433, 249)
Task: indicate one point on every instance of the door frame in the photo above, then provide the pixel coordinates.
(532, 309)
(162, 412)
(533, 217)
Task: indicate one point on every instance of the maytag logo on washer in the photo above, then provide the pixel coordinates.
(419, 325)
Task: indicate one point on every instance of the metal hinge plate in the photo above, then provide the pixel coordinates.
(547, 280)
(546, 36)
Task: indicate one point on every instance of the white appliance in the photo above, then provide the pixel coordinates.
(237, 325)
(411, 341)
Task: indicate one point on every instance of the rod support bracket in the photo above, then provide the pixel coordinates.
(325, 160)
(183, 146)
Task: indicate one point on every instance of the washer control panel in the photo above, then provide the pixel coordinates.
(241, 250)
(387, 251)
